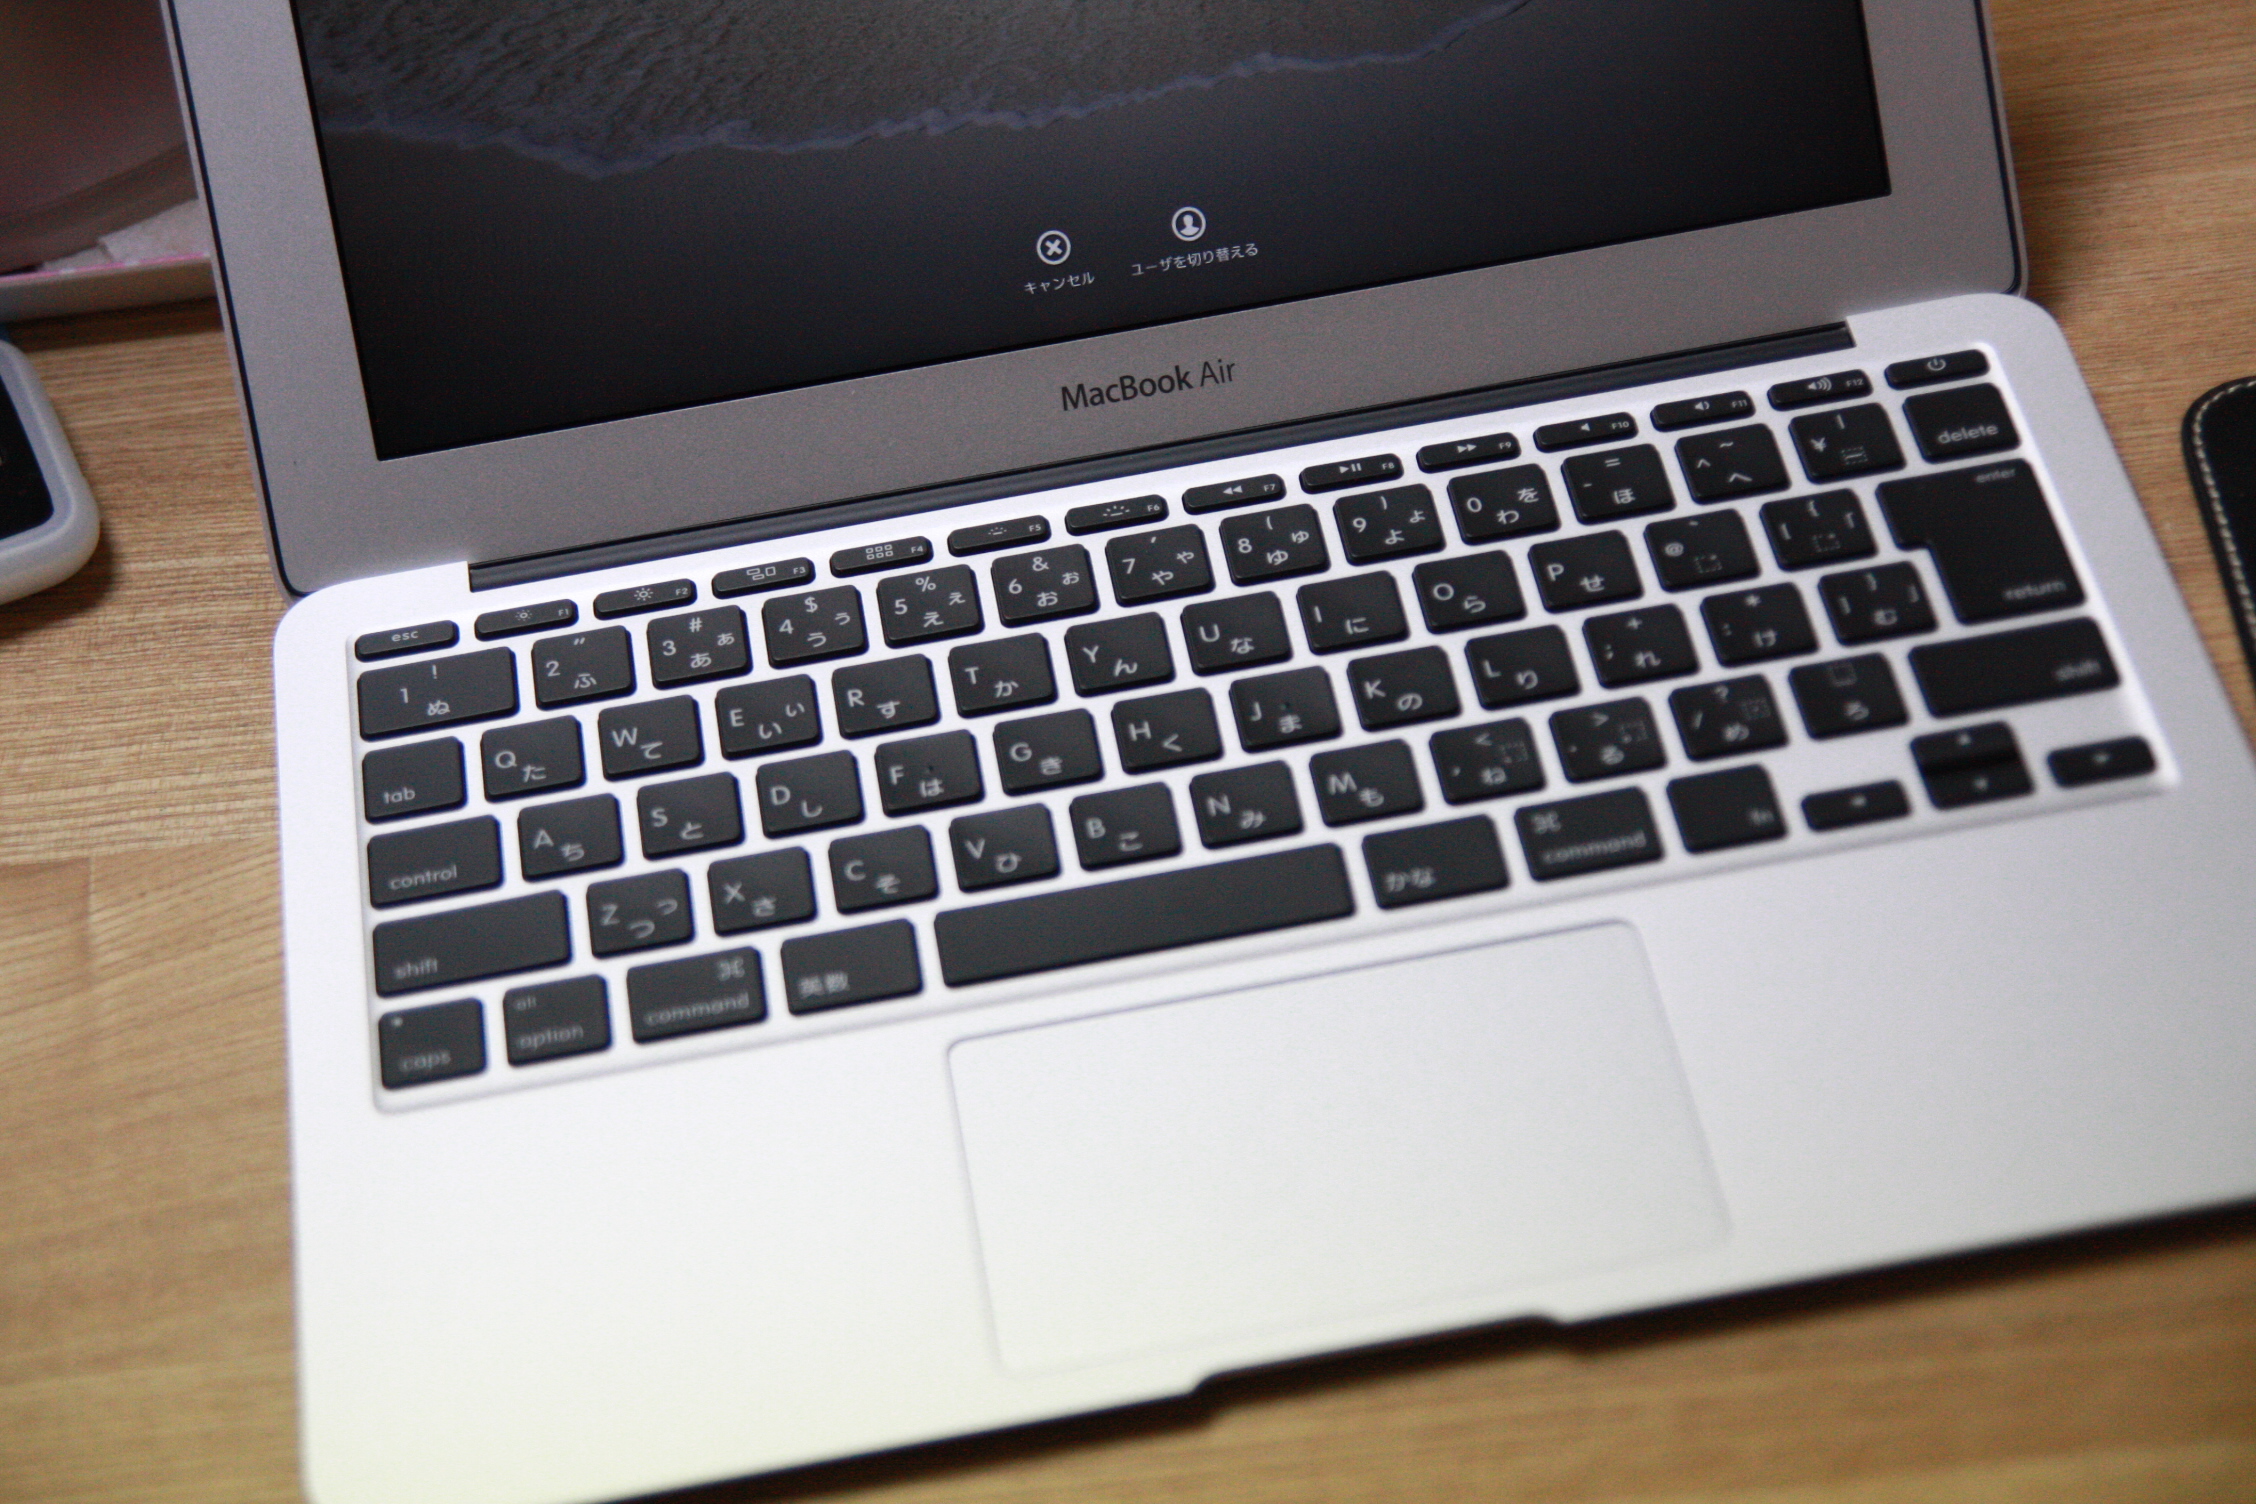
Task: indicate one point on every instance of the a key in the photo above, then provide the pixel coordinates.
(418, 779)
(1608, 740)
(1709, 549)
(1847, 695)
(1047, 751)
(1388, 524)
(690, 814)
(1355, 784)
(926, 772)
(1971, 765)
(416, 1046)
(1283, 710)
(847, 967)
(1503, 504)
(1727, 719)
(1340, 475)
(1593, 570)
(597, 665)
(667, 999)
(773, 716)
(2101, 762)
(870, 557)
(1731, 463)
(2014, 668)
(535, 757)
(986, 537)
(465, 945)
(1848, 441)
(1696, 412)
(1158, 566)
(1635, 647)
(1959, 366)
(650, 737)
(1043, 585)
(1429, 862)
(400, 641)
(437, 692)
(1245, 804)
(760, 891)
(1239, 631)
(1755, 626)
(638, 599)
(1840, 386)
(1518, 668)
(1828, 528)
(814, 624)
(575, 835)
(1472, 591)
(708, 644)
(1458, 453)
(891, 694)
(1486, 762)
(1166, 731)
(1274, 545)
(1104, 516)
(928, 605)
(1734, 807)
(1233, 493)
(1618, 483)
(554, 1020)
(514, 621)
(1873, 605)
(1960, 423)
(1591, 834)
(1991, 536)
(1005, 673)
(881, 869)
(1002, 847)
(1103, 656)
(757, 579)
(1120, 826)
(642, 912)
(1402, 689)
(1583, 432)
(1838, 809)
(1362, 610)
(408, 866)
(808, 793)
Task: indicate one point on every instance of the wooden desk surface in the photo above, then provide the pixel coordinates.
(145, 1342)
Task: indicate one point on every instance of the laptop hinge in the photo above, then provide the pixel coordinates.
(1708, 360)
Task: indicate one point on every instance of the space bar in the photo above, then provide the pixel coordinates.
(1140, 914)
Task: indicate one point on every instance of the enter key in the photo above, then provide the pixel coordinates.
(1991, 535)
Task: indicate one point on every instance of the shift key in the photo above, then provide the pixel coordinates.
(2013, 668)
(462, 945)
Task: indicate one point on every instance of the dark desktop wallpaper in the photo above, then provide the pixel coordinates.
(555, 212)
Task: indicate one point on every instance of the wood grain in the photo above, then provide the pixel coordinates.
(144, 1240)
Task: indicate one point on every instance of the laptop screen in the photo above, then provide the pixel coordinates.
(558, 212)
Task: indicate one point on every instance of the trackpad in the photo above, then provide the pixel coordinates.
(1329, 1148)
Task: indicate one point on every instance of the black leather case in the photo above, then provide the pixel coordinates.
(2220, 450)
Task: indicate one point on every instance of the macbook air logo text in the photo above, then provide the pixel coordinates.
(1133, 388)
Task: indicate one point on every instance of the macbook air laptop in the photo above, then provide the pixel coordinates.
(1001, 706)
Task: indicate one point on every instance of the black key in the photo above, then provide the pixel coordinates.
(874, 556)
(1282, 710)
(1158, 566)
(1838, 387)
(881, 869)
(1458, 453)
(1402, 689)
(1104, 516)
(1828, 528)
(1245, 804)
(769, 717)
(1341, 474)
(1120, 826)
(402, 640)
(553, 1020)
(1160, 911)
(1960, 423)
(1356, 784)
(593, 665)
(1240, 631)
(1592, 570)
(1007, 673)
(755, 579)
(536, 757)
(1605, 741)
(1838, 809)
(511, 621)
(814, 624)
(1847, 695)
(638, 913)
(1873, 605)
(650, 737)
(868, 965)
(1387, 524)
(1851, 441)
(927, 772)
(1165, 731)
(1047, 751)
(1906, 374)
(1635, 647)
(408, 866)
(1695, 412)
(1486, 762)
(1108, 655)
(576, 835)
(928, 605)
(710, 644)
(1754, 626)
(891, 694)
(986, 537)
(1726, 719)
(1590, 834)
(1274, 545)
(1991, 536)
(666, 999)
(1716, 811)
(1503, 504)
(689, 815)
(415, 1046)
(1585, 432)
(1518, 668)
(1429, 862)
(2013, 668)
(1038, 586)
(1233, 493)
(1619, 483)
(637, 599)
(1972, 765)
(463, 945)
(1467, 592)
(1736, 462)
(1360, 611)
(808, 793)
(440, 692)
(2098, 762)
(1002, 847)
(760, 891)
(414, 780)
(1713, 549)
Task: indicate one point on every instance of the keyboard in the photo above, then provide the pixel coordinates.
(1466, 665)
